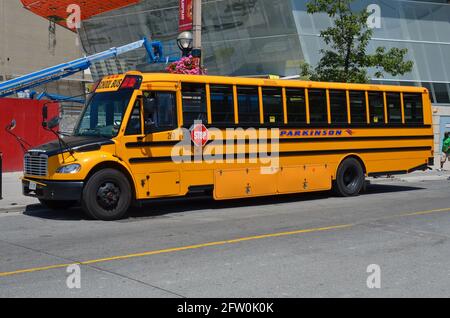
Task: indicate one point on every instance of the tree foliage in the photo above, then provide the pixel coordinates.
(346, 58)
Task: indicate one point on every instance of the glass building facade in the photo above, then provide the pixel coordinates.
(254, 37)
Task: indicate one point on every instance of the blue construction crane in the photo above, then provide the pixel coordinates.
(154, 50)
(56, 97)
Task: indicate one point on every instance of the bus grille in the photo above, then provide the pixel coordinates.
(36, 165)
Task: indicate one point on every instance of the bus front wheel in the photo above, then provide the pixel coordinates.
(107, 195)
(350, 178)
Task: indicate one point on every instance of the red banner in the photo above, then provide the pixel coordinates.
(186, 17)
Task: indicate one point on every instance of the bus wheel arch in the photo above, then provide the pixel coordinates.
(116, 166)
(108, 192)
(355, 156)
(350, 176)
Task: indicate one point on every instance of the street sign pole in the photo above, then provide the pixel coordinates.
(197, 31)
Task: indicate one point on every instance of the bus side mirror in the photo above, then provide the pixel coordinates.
(12, 125)
(54, 122)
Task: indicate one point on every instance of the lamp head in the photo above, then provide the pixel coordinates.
(185, 41)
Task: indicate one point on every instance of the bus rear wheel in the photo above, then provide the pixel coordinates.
(350, 178)
(107, 195)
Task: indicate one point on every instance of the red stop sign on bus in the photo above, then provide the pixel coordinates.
(199, 135)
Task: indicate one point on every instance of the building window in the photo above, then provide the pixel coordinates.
(338, 106)
(248, 104)
(413, 108)
(430, 90)
(358, 107)
(273, 105)
(318, 106)
(376, 107)
(442, 93)
(394, 107)
(222, 104)
(194, 103)
(296, 106)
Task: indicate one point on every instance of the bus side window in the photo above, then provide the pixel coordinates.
(222, 105)
(159, 111)
(318, 106)
(296, 106)
(376, 107)
(248, 104)
(273, 105)
(413, 108)
(134, 126)
(394, 107)
(194, 103)
(358, 107)
(338, 106)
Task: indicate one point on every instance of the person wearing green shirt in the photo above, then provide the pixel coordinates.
(445, 150)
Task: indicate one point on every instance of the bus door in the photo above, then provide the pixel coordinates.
(152, 133)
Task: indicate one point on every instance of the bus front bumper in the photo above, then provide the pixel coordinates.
(53, 190)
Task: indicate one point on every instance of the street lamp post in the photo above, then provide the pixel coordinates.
(197, 29)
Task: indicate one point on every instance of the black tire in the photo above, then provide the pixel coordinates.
(350, 178)
(107, 195)
(57, 205)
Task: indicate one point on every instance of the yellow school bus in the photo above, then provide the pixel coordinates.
(149, 136)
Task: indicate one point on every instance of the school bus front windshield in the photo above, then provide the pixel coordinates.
(103, 115)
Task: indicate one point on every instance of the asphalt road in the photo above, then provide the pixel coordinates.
(296, 246)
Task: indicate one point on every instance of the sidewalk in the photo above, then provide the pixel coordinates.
(418, 176)
(13, 199)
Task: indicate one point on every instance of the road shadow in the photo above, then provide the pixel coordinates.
(170, 207)
(389, 188)
(42, 212)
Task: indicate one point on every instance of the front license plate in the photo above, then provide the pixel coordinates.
(32, 186)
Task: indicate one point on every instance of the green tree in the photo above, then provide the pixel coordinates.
(346, 58)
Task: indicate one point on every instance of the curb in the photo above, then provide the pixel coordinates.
(411, 179)
(13, 208)
(21, 208)
(423, 179)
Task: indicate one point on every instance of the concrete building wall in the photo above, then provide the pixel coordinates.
(24, 47)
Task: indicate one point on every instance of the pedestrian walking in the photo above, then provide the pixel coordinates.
(445, 150)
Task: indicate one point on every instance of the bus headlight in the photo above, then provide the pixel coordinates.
(69, 169)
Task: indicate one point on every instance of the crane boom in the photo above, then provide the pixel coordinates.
(54, 73)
